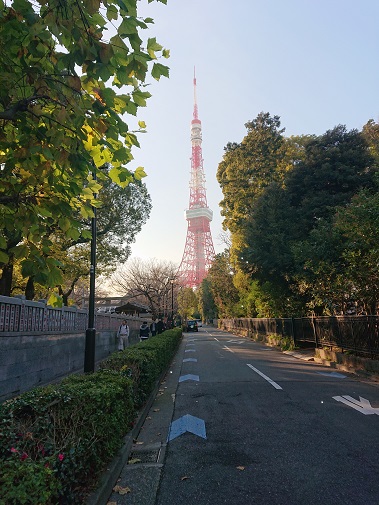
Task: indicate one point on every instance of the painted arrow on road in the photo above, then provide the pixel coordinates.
(189, 377)
(362, 405)
(186, 423)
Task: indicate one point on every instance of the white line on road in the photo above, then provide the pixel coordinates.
(276, 386)
(228, 348)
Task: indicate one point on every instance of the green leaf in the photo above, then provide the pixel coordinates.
(127, 27)
(140, 173)
(112, 12)
(54, 277)
(4, 258)
(28, 268)
(64, 223)
(55, 300)
(142, 124)
(20, 251)
(159, 70)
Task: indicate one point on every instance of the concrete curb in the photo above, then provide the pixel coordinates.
(298, 355)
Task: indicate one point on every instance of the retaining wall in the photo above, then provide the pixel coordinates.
(27, 361)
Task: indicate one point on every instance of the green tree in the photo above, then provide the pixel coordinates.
(206, 301)
(341, 258)
(65, 87)
(225, 294)
(247, 168)
(280, 237)
(187, 303)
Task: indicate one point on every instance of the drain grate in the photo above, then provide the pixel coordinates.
(144, 457)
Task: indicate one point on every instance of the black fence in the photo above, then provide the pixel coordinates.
(359, 334)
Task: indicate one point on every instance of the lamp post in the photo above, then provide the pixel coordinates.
(89, 352)
(172, 280)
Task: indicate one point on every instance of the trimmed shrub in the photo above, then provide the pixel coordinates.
(144, 362)
(56, 440)
(63, 435)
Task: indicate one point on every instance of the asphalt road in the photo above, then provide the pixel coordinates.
(266, 428)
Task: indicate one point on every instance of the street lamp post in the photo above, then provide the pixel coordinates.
(89, 352)
(172, 280)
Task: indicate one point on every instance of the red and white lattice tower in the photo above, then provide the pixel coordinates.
(198, 251)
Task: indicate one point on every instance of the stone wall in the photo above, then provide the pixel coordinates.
(27, 361)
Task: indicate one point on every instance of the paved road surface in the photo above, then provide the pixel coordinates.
(264, 428)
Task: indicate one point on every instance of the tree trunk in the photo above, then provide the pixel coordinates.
(6, 279)
(29, 290)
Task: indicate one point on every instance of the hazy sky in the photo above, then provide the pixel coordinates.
(312, 62)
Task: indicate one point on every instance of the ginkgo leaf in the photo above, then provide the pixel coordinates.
(134, 461)
(122, 490)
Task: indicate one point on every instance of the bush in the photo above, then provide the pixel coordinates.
(144, 362)
(284, 343)
(63, 435)
(55, 440)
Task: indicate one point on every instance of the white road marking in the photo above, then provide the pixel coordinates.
(228, 348)
(362, 405)
(276, 386)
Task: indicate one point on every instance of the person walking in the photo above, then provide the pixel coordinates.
(160, 326)
(153, 328)
(123, 336)
(144, 331)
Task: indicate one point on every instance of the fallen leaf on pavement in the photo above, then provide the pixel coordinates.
(240, 468)
(134, 461)
(185, 478)
(112, 503)
(122, 490)
(139, 443)
(156, 410)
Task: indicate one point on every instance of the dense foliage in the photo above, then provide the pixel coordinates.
(70, 73)
(55, 440)
(302, 214)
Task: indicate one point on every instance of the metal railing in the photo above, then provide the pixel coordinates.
(359, 334)
(20, 316)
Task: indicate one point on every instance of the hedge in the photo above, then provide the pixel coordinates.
(56, 440)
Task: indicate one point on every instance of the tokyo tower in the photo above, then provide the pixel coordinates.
(198, 251)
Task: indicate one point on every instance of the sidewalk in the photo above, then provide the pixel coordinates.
(133, 478)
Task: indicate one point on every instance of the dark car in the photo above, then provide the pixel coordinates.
(192, 326)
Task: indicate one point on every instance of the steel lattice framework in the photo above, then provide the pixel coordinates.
(198, 251)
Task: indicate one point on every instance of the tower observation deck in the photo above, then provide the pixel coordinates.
(198, 251)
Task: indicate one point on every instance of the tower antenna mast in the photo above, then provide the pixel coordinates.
(198, 251)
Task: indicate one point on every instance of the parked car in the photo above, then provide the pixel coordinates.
(199, 323)
(192, 325)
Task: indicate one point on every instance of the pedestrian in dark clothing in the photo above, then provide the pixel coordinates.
(160, 326)
(153, 328)
(144, 331)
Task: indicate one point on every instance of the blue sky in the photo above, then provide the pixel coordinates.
(312, 62)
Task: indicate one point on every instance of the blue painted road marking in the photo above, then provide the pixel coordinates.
(333, 374)
(189, 377)
(186, 423)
